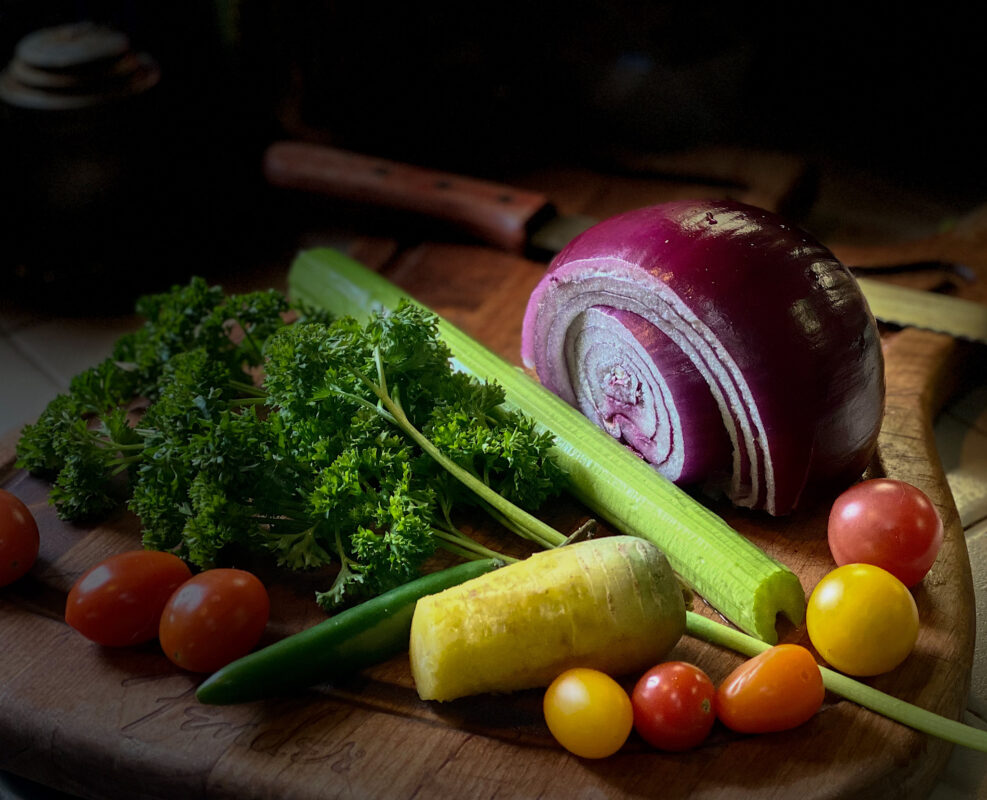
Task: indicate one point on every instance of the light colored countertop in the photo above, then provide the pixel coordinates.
(961, 433)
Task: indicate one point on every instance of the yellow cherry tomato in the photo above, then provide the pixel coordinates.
(862, 620)
(588, 712)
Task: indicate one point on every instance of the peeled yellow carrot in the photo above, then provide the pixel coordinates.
(612, 604)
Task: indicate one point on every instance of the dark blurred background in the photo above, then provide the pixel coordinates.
(485, 89)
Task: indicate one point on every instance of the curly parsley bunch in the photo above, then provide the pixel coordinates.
(315, 441)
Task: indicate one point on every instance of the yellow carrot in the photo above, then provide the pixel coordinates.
(612, 604)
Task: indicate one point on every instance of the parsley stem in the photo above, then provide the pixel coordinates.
(248, 389)
(333, 389)
(527, 525)
(110, 445)
(118, 465)
(464, 546)
(517, 526)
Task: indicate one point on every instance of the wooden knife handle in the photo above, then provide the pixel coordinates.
(499, 215)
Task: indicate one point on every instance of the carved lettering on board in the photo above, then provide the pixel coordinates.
(309, 741)
(186, 714)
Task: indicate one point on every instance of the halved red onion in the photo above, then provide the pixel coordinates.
(724, 345)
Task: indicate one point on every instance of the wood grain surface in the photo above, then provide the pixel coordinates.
(105, 723)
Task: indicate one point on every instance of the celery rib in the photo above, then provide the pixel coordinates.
(739, 579)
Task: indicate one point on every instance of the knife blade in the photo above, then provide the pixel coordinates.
(911, 308)
(525, 222)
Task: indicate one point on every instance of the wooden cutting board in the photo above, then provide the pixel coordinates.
(106, 723)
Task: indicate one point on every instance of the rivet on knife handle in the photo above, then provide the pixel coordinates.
(955, 316)
(499, 215)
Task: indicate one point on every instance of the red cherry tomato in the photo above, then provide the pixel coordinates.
(213, 619)
(778, 689)
(674, 706)
(888, 523)
(19, 539)
(118, 602)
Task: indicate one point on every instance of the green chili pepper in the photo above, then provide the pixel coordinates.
(354, 639)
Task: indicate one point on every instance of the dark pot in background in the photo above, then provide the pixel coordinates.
(122, 172)
(82, 159)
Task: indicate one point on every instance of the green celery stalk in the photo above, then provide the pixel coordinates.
(739, 579)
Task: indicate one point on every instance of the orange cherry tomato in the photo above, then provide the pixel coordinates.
(213, 619)
(776, 690)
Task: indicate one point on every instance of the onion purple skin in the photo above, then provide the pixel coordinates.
(789, 355)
